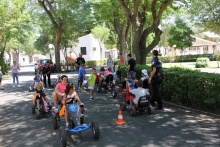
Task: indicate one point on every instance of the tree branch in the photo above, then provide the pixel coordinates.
(126, 9)
(48, 12)
(162, 8)
(153, 9)
(137, 3)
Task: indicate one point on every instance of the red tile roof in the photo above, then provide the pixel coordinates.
(202, 42)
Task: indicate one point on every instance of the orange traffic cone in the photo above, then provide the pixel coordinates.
(120, 120)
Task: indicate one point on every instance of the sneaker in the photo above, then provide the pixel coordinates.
(83, 91)
(19, 85)
(13, 86)
(91, 98)
(79, 89)
(82, 115)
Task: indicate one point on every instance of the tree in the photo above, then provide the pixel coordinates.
(68, 19)
(109, 13)
(180, 35)
(145, 17)
(205, 13)
(101, 33)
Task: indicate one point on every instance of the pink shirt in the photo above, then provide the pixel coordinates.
(61, 88)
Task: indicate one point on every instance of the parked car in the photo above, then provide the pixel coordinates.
(40, 63)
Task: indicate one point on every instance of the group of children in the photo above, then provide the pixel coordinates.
(136, 87)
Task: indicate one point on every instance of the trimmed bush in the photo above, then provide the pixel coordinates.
(202, 62)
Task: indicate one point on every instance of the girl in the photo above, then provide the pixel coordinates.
(69, 93)
(60, 90)
(110, 63)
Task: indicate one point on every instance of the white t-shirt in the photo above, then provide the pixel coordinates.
(139, 92)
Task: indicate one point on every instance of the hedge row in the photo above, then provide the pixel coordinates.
(185, 58)
(190, 88)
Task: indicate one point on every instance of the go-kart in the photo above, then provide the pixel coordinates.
(44, 106)
(76, 123)
(108, 84)
(142, 106)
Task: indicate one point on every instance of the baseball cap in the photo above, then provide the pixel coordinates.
(144, 71)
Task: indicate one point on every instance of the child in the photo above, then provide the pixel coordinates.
(145, 78)
(36, 98)
(91, 83)
(139, 92)
(131, 80)
(59, 90)
(37, 79)
(82, 73)
(1, 79)
(69, 93)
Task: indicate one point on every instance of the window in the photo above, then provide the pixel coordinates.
(83, 50)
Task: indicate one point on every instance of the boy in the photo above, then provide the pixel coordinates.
(82, 73)
(131, 80)
(1, 79)
(91, 83)
(36, 98)
(139, 92)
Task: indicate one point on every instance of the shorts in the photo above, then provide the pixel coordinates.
(80, 80)
(0, 80)
(91, 87)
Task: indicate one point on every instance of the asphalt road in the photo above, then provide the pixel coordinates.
(174, 126)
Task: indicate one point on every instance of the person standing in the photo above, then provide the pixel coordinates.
(80, 60)
(131, 64)
(110, 63)
(155, 79)
(122, 60)
(46, 75)
(15, 70)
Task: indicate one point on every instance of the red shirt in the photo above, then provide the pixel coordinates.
(122, 62)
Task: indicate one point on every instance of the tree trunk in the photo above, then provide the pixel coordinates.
(57, 47)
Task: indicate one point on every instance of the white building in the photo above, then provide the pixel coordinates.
(90, 47)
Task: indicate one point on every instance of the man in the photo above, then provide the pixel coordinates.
(80, 60)
(131, 64)
(46, 75)
(155, 79)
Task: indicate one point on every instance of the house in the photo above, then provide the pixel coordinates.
(89, 46)
(199, 46)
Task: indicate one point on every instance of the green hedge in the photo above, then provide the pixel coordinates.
(202, 62)
(95, 63)
(184, 58)
(187, 87)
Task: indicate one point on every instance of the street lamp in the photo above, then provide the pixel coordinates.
(71, 45)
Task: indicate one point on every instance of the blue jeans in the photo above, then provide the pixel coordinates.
(15, 75)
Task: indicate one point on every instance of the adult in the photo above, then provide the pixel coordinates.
(122, 60)
(155, 79)
(59, 91)
(15, 68)
(46, 75)
(131, 64)
(80, 60)
(110, 63)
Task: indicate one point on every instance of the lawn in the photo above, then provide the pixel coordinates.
(4, 77)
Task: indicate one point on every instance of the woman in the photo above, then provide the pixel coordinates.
(15, 69)
(59, 91)
(110, 63)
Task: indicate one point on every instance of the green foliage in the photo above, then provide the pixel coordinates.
(116, 62)
(96, 63)
(180, 35)
(101, 33)
(192, 88)
(183, 58)
(202, 62)
(205, 13)
(4, 66)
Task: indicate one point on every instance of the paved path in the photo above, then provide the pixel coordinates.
(174, 126)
